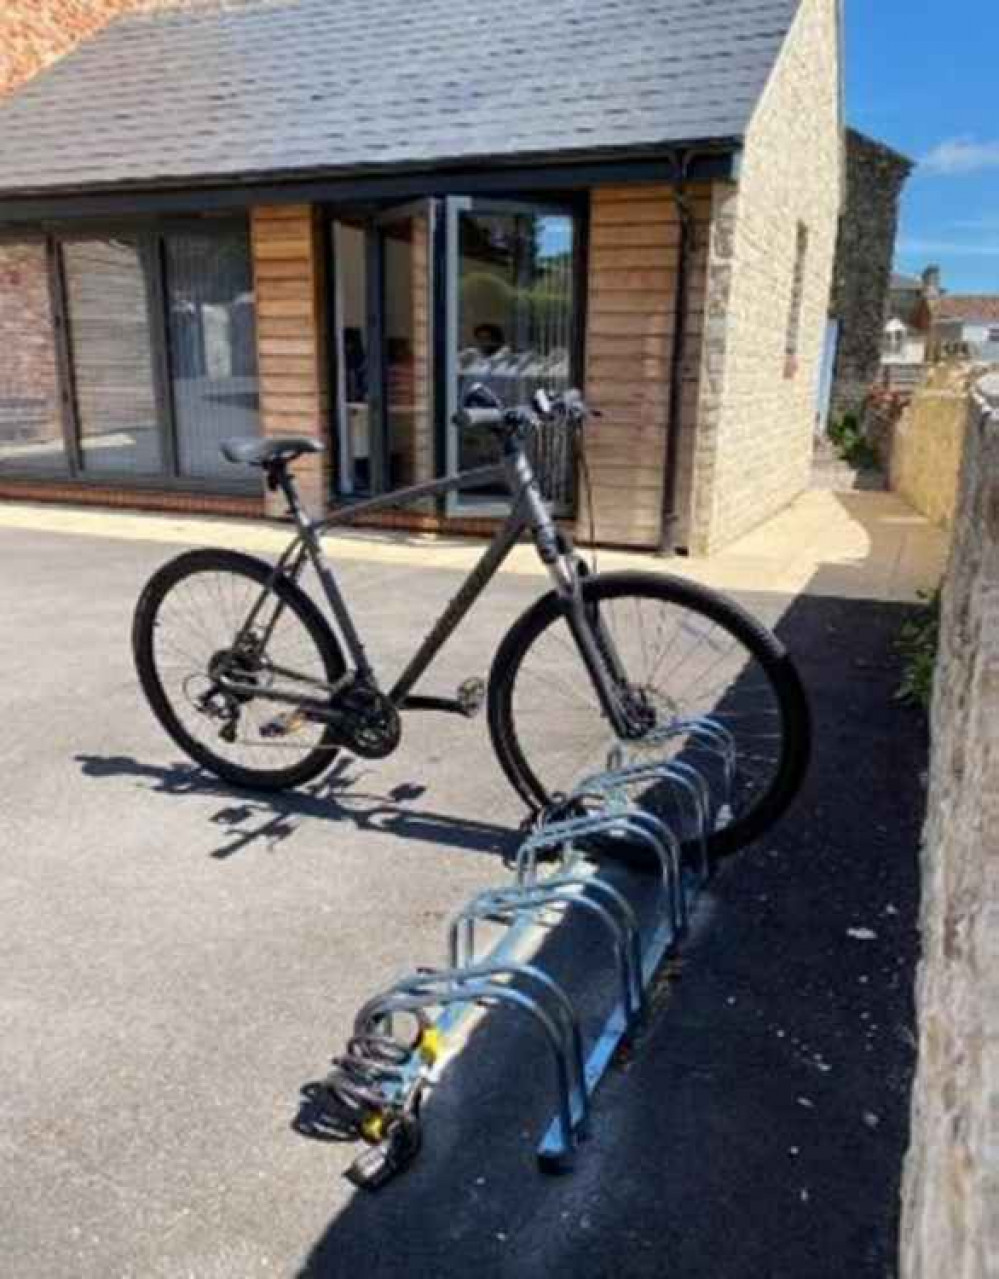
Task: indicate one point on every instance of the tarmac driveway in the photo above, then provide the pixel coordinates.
(178, 961)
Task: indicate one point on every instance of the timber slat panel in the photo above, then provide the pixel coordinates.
(628, 259)
(285, 247)
(286, 326)
(286, 346)
(295, 306)
(298, 270)
(650, 235)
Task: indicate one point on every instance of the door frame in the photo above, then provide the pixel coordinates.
(373, 226)
(454, 206)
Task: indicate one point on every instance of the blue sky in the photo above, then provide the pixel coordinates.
(922, 77)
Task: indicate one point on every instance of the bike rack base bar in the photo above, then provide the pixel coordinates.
(616, 1028)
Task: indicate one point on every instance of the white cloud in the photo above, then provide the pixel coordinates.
(961, 155)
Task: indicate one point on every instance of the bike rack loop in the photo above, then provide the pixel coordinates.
(611, 787)
(557, 834)
(505, 903)
(440, 989)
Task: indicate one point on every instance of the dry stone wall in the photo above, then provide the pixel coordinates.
(950, 1221)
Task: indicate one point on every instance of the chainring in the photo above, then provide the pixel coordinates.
(367, 723)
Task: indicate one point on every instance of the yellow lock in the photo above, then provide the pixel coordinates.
(431, 1045)
(373, 1127)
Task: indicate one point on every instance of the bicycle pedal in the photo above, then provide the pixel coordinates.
(471, 696)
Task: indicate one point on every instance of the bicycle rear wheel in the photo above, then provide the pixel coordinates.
(685, 652)
(186, 621)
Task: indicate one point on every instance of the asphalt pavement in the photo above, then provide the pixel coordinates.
(178, 961)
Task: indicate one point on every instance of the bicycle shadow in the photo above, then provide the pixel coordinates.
(252, 818)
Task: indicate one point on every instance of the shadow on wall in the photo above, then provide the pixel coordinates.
(759, 1127)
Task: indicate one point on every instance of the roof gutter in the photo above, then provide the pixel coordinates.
(483, 176)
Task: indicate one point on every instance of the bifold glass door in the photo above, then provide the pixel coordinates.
(507, 310)
(382, 289)
(513, 319)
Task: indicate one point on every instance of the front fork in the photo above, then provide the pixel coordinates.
(568, 572)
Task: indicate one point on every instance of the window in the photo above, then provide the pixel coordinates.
(797, 301)
(108, 308)
(516, 322)
(213, 360)
(31, 435)
(159, 354)
(994, 335)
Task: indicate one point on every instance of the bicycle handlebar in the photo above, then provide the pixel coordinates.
(484, 411)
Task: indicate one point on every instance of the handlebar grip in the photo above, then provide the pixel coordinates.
(482, 419)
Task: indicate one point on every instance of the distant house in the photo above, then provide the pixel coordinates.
(905, 334)
(966, 323)
(291, 215)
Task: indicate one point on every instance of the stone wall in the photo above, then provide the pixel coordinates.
(759, 384)
(950, 1220)
(924, 454)
(865, 251)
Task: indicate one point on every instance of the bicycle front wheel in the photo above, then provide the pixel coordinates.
(682, 652)
(184, 633)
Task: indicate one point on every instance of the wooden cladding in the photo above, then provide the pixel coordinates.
(630, 323)
(287, 268)
(634, 241)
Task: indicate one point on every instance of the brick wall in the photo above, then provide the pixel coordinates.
(754, 446)
(29, 390)
(631, 303)
(35, 33)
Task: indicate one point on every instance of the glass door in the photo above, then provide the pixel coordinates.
(512, 326)
(383, 347)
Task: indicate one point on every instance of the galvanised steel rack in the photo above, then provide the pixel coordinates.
(378, 1084)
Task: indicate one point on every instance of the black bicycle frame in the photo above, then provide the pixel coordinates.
(528, 512)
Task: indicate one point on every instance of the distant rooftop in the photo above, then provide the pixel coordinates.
(904, 283)
(282, 88)
(971, 307)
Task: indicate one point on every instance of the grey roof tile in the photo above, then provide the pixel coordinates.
(284, 87)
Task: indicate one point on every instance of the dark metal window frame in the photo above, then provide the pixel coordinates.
(149, 235)
(442, 212)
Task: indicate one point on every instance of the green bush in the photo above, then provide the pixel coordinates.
(851, 444)
(918, 641)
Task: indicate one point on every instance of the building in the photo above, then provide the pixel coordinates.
(966, 324)
(905, 330)
(862, 280)
(286, 216)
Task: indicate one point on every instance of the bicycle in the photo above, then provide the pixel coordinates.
(238, 663)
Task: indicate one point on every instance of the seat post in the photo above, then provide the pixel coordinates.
(279, 477)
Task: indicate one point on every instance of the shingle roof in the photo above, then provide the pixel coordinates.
(283, 87)
(970, 307)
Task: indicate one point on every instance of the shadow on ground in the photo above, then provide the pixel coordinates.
(757, 1131)
(252, 819)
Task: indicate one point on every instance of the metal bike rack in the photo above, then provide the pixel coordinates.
(601, 808)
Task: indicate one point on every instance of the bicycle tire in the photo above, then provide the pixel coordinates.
(760, 643)
(156, 592)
